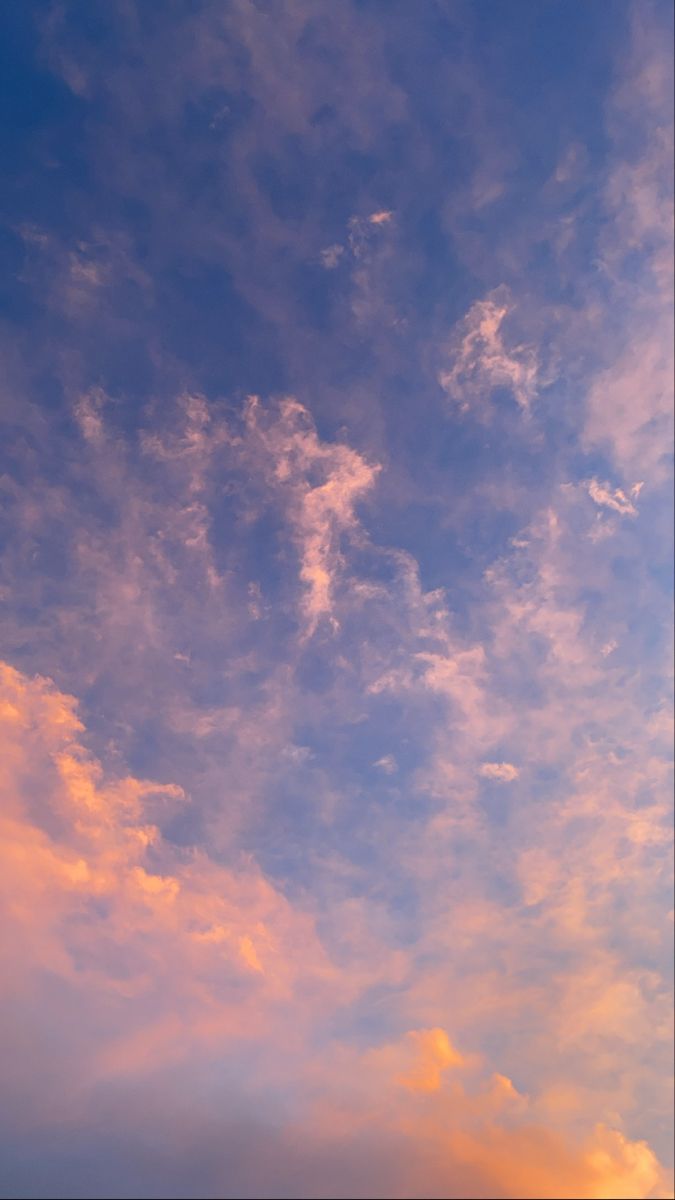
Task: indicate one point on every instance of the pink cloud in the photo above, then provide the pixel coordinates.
(481, 360)
(324, 483)
(504, 771)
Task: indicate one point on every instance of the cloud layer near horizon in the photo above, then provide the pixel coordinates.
(335, 700)
(171, 979)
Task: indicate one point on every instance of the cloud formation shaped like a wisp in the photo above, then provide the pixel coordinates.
(482, 360)
(324, 483)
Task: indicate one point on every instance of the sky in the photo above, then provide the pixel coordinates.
(335, 599)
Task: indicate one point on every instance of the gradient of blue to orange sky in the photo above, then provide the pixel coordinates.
(335, 599)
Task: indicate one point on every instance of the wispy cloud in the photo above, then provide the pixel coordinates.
(617, 500)
(324, 483)
(336, 722)
(481, 361)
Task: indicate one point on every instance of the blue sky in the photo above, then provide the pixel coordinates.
(336, 585)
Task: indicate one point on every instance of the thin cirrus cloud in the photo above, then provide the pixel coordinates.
(335, 709)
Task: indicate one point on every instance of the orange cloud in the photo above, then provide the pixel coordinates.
(433, 1053)
(212, 946)
(380, 218)
(169, 958)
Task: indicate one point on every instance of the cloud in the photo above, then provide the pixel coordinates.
(629, 405)
(481, 361)
(433, 1054)
(324, 483)
(616, 500)
(263, 738)
(330, 257)
(267, 927)
(362, 230)
(636, 391)
(387, 764)
(358, 239)
(380, 218)
(102, 899)
(503, 771)
(171, 959)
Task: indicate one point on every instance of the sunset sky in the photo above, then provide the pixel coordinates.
(335, 599)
